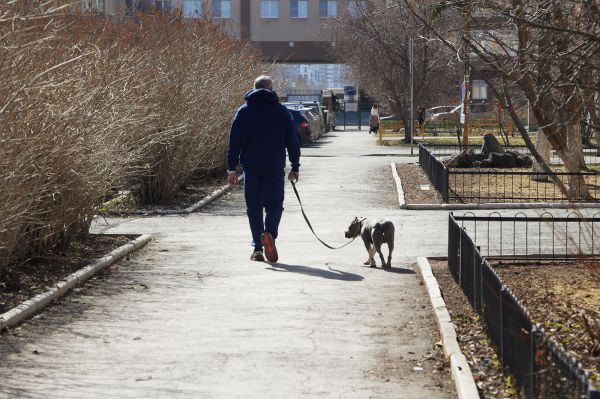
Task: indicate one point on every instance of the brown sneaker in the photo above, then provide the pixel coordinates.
(257, 256)
(270, 250)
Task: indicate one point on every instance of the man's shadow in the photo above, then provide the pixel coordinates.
(332, 274)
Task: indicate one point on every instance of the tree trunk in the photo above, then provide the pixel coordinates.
(405, 122)
(543, 147)
(571, 156)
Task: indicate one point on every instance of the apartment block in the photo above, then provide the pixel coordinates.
(285, 30)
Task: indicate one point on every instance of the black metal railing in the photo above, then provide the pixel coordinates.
(435, 170)
(508, 186)
(540, 366)
(540, 238)
(591, 154)
(461, 185)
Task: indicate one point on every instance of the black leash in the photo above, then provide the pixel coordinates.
(310, 226)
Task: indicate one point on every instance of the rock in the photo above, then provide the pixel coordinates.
(486, 163)
(502, 160)
(524, 161)
(462, 160)
(491, 144)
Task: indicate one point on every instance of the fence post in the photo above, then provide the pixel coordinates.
(533, 343)
(445, 184)
(502, 291)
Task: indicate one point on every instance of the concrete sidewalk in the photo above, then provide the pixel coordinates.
(191, 317)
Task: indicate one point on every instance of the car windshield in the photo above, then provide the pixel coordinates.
(297, 116)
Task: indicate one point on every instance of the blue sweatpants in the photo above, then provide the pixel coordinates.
(264, 188)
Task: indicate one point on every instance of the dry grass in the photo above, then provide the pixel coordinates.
(89, 105)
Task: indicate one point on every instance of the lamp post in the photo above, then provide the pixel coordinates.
(467, 79)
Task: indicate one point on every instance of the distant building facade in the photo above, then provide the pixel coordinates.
(285, 30)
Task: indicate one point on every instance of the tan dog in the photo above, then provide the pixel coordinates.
(374, 235)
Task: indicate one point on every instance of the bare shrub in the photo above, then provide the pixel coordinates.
(200, 76)
(88, 105)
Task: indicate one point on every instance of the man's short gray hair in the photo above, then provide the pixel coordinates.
(263, 82)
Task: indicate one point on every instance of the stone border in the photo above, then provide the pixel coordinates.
(459, 367)
(185, 211)
(401, 199)
(38, 302)
(501, 205)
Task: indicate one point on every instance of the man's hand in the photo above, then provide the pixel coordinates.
(232, 179)
(293, 176)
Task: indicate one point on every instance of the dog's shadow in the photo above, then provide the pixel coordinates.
(332, 273)
(397, 270)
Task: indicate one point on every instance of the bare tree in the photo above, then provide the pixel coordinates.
(373, 38)
(549, 50)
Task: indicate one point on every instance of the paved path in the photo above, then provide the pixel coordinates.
(191, 317)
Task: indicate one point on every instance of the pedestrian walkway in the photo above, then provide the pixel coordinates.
(191, 317)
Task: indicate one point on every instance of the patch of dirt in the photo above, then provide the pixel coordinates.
(19, 283)
(412, 178)
(472, 337)
(565, 299)
(195, 190)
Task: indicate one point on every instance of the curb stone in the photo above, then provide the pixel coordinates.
(185, 211)
(401, 199)
(60, 289)
(459, 367)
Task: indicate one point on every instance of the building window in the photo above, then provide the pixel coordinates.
(299, 9)
(328, 8)
(192, 8)
(222, 8)
(357, 8)
(163, 5)
(479, 91)
(269, 8)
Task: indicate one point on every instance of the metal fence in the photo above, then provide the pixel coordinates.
(540, 366)
(591, 155)
(303, 95)
(540, 238)
(435, 170)
(500, 186)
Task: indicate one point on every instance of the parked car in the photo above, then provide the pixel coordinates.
(325, 121)
(307, 122)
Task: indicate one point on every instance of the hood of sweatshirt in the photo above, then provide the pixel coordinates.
(261, 96)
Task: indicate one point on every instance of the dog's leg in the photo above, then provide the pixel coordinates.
(391, 249)
(371, 257)
(368, 247)
(389, 239)
(377, 241)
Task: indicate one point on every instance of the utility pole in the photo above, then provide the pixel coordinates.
(411, 118)
(467, 78)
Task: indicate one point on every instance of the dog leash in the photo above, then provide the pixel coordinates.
(310, 226)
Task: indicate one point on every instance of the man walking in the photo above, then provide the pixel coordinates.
(261, 131)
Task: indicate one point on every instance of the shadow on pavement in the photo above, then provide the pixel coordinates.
(397, 270)
(332, 274)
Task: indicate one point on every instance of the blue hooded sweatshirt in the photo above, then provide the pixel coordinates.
(261, 131)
